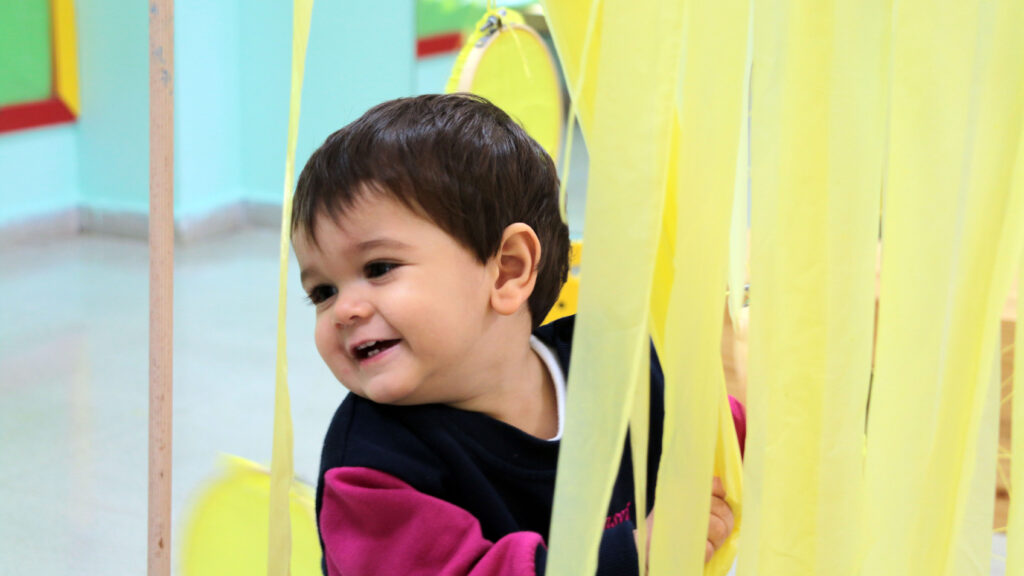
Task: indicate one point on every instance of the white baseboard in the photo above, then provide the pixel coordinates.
(56, 225)
(263, 214)
(87, 220)
(119, 223)
(223, 220)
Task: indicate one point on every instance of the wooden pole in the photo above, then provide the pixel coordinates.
(161, 280)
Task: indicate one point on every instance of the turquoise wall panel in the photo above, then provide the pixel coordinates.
(432, 73)
(359, 54)
(113, 146)
(38, 172)
(208, 97)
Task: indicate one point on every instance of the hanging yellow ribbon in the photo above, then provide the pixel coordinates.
(282, 465)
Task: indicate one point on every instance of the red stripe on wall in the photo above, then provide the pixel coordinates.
(438, 44)
(32, 114)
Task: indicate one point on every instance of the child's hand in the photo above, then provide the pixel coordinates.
(720, 523)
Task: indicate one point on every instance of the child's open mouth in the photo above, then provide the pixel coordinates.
(368, 350)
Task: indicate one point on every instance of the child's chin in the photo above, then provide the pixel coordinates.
(388, 395)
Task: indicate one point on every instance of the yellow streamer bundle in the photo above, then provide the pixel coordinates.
(835, 88)
(624, 121)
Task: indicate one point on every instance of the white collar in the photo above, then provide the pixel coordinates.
(547, 355)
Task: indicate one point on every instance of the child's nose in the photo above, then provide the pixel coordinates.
(350, 307)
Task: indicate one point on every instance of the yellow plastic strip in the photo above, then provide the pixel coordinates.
(1015, 526)
(634, 106)
(816, 150)
(65, 53)
(282, 465)
(709, 112)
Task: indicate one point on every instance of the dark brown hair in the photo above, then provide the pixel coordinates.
(456, 159)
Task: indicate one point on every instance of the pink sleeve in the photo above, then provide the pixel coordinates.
(739, 419)
(373, 523)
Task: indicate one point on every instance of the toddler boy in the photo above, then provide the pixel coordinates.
(430, 242)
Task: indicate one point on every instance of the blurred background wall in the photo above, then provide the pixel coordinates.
(232, 63)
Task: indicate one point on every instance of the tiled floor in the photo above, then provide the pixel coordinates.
(74, 391)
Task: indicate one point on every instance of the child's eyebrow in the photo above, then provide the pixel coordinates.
(380, 243)
(304, 274)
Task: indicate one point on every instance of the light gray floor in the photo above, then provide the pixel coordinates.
(74, 390)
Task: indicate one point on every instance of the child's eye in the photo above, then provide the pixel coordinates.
(377, 269)
(320, 293)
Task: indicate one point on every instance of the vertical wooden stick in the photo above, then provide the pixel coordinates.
(161, 280)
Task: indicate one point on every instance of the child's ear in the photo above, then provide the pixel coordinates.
(514, 268)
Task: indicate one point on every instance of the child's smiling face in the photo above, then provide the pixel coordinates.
(402, 309)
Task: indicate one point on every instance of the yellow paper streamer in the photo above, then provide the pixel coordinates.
(282, 465)
(576, 90)
(709, 114)
(816, 150)
(952, 237)
(1015, 527)
(633, 105)
(576, 29)
(932, 54)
